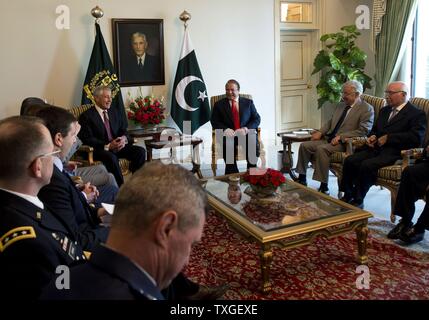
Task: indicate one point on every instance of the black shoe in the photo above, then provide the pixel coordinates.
(411, 236)
(324, 190)
(357, 203)
(209, 293)
(398, 229)
(303, 182)
(302, 179)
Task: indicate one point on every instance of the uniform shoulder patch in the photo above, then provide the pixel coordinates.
(15, 235)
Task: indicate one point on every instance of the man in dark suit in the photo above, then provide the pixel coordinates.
(399, 126)
(141, 66)
(103, 129)
(33, 242)
(413, 186)
(61, 195)
(238, 119)
(352, 117)
(150, 240)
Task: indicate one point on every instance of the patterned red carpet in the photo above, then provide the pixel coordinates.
(325, 269)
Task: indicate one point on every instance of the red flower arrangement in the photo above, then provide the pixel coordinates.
(264, 177)
(147, 110)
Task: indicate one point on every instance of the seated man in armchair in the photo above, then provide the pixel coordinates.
(103, 129)
(352, 117)
(414, 185)
(238, 119)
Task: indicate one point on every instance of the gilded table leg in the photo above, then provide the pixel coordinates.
(362, 234)
(196, 161)
(266, 255)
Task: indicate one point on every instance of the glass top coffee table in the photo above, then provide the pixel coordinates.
(293, 216)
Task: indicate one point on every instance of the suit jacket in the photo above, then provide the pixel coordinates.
(150, 70)
(107, 276)
(404, 131)
(221, 117)
(358, 121)
(67, 203)
(33, 242)
(93, 132)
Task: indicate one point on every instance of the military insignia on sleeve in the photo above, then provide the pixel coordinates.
(15, 235)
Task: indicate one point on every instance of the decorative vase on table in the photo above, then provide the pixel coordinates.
(150, 127)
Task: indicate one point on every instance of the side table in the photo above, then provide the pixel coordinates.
(287, 161)
(178, 142)
(150, 134)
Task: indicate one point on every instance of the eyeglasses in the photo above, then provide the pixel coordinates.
(347, 93)
(389, 93)
(49, 154)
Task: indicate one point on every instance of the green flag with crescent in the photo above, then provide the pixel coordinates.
(189, 104)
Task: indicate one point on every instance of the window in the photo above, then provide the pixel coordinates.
(420, 53)
(296, 12)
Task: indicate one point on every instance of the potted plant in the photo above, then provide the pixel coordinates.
(340, 60)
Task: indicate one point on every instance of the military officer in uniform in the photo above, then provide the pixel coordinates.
(152, 232)
(33, 242)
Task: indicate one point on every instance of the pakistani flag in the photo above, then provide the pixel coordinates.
(100, 72)
(190, 101)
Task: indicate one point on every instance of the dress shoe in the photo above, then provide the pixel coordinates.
(357, 203)
(398, 229)
(324, 190)
(411, 236)
(302, 179)
(303, 182)
(209, 293)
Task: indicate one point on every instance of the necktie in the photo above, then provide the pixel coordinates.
(235, 115)
(339, 123)
(140, 63)
(107, 126)
(393, 114)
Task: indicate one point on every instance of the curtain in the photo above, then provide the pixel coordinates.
(389, 42)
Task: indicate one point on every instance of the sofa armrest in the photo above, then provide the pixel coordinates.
(409, 155)
(85, 155)
(353, 143)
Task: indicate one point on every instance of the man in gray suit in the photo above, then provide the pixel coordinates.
(352, 117)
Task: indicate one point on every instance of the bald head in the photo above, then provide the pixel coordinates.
(155, 189)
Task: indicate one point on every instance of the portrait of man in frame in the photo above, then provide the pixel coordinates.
(139, 51)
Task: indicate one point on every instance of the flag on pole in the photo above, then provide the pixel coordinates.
(189, 99)
(101, 72)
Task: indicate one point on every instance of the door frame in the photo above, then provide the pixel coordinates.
(317, 31)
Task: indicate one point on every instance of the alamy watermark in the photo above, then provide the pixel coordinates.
(363, 279)
(62, 22)
(62, 281)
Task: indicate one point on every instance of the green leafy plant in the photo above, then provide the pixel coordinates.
(340, 60)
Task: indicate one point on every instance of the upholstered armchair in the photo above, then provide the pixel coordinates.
(217, 147)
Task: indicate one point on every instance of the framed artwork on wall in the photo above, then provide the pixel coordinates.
(138, 51)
